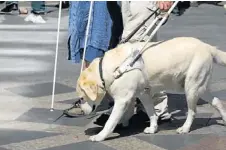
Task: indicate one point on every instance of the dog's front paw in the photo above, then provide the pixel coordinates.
(96, 138)
(183, 130)
(151, 130)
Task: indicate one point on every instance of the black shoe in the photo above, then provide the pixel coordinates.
(1, 2)
(10, 8)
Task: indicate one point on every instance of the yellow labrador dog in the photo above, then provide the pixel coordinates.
(182, 64)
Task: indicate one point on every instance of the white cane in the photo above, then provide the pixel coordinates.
(55, 65)
(87, 34)
(84, 52)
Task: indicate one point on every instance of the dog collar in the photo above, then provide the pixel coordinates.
(101, 71)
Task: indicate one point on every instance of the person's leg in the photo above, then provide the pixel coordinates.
(10, 6)
(161, 105)
(38, 7)
(161, 99)
(133, 14)
(117, 24)
(65, 5)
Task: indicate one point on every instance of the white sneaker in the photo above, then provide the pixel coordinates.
(30, 17)
(39, 19)
(34, 18)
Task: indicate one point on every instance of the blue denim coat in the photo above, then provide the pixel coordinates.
(99, 31)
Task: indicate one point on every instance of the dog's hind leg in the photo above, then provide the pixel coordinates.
(192, 98)
(216, 103)
(196, 84)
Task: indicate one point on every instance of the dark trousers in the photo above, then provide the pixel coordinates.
(117, 27)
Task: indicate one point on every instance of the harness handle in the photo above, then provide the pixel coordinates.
(138, 27)
(128, 62)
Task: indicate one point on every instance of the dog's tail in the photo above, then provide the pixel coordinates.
(219, 57)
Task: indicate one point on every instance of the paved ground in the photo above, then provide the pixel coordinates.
(27, 53)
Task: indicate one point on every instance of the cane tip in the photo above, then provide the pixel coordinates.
(51, 109)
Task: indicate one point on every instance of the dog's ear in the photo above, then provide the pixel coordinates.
(90, 89)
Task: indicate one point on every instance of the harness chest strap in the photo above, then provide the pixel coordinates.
(139, 64)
